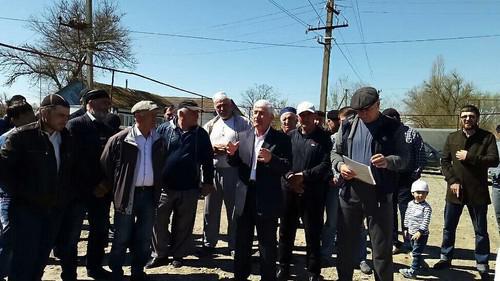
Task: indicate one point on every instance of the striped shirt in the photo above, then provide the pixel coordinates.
(418, 217)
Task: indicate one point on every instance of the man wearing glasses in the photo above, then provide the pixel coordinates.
(467, 155)
(377, 141)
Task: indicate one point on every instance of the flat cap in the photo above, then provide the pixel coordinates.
(332, 115)
(189, 104)
(144, 105)
(95, 94)
(393, 113)
(53, 100)
(288, 109)
(364, 97)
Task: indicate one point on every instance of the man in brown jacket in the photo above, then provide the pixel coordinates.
(467, 155)
(132, 161)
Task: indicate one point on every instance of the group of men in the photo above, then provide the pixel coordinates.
(54, 173)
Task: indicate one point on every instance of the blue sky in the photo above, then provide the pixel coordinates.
(207, 66)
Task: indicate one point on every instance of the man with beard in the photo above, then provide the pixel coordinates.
(91, 135)
(308, 181)
(467, 155)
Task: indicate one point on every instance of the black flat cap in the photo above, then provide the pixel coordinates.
(393, 113)
(364, 97)
(189, 104)
(95, 94)
(53, 100)
(332, 115)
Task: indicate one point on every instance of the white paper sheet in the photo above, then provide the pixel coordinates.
(363, 172)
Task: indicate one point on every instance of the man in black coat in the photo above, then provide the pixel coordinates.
(263, 156)
(38, 166)
(91, 135)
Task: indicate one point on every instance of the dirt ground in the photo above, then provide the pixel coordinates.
(220, 267)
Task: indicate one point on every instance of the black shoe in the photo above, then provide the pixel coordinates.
(282, 273)
(206, 251)
(177, 262)
(484, 276)
(442, 264)
(139, 277)
(157, 262)
(98, 273)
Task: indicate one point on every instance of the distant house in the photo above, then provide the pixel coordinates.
(122, 100)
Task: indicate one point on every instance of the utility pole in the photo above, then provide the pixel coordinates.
(330, 10)
(90, 45)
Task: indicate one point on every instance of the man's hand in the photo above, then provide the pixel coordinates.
(100, 190)
(346, 172)
(416, 236)
(379, 161)
(220, 149)
(461, 154)
(296, 182)
(206, 188)
(334, 182)
(232, 147)
(265, 155)
(455, 188)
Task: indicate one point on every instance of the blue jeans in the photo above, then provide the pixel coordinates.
(134, 231)
(36, 232)
(495, 198)
(6, 235)
(452, 213)
(330, 226)
(418, 247)
(68, 237)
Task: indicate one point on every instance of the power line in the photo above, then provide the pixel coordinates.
(360, 26)
(297, 19)
(319, 17)
(34, 52)
(345, 57)
(421, 40)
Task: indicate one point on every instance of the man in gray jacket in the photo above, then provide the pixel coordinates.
(222, 129)
(377, 141)
(132, 161)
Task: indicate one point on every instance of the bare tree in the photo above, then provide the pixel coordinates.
(262, 91)
(62, 33)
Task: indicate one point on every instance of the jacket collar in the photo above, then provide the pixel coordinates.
(132, 134)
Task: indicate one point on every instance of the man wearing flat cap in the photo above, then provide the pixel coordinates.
(38, 169)
(132, 162)
(188, 149)
(377, 141)
(91, 135)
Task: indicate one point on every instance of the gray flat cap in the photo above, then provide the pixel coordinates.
(144, 105)
(364, 97)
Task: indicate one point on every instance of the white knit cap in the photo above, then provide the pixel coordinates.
(419, 185)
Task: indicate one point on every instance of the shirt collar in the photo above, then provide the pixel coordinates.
(90, 116)
(265, 134)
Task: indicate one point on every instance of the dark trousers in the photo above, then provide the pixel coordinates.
(98, 217)
(418, 247)
(36, 232)
(68, 237)
(181, 204)
(6, 234)
(379, 220)
(452, 213)
(400, 201)
(266, 235)
(309, 207)
(133, 231)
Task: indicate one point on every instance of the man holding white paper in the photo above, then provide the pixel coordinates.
(376, 140)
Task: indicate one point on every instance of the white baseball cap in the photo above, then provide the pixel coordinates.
(419, 185)
(305, 106)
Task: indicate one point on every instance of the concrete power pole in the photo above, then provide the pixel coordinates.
(330, 10)
(90, 45)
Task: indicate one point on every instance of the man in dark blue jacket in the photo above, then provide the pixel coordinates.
(187, 147)
(377, 141)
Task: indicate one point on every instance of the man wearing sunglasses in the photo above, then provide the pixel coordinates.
(467, 155)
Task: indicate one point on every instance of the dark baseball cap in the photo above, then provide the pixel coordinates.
(364, 98)
(393, 113)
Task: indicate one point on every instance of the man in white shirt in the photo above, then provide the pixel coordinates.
(223, 128)
(132, 161)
